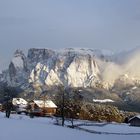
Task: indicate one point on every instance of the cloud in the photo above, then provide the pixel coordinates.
(131, 67)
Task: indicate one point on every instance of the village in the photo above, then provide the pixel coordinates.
(47, 108)
(32, 108)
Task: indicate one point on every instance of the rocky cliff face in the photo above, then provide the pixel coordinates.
(18, 70)
(46, 67)
(71, 68)
(68, 68)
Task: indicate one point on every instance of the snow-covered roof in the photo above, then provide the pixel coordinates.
(19, 101)
(137, 116)
(102, 101)
(47, 103)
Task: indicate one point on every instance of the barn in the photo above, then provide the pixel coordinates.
(134, 121)
(41, 107)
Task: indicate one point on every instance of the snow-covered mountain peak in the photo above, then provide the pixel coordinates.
(19, 59)
(64, 67)
(70, 67)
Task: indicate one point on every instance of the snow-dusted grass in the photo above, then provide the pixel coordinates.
(20, 127)
(114, 128)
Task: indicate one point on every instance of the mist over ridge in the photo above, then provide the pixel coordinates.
(124, 64)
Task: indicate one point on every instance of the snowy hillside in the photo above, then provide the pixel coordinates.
(24, 128)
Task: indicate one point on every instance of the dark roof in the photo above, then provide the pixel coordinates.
(138, 117)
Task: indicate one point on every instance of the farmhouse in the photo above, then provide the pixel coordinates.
(19, 102)
(134, 121)
(20, 105)
(41, 107)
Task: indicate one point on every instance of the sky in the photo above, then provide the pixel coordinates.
(96, 24)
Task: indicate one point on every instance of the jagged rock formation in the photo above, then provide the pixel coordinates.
(71, 68)
(46, 67)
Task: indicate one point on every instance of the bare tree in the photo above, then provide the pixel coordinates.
(69, 104)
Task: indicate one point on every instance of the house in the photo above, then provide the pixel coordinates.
(134, 121)
(19, 102)
(20, 105)
(40, 107)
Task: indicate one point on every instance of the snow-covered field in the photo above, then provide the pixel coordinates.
(20, 127)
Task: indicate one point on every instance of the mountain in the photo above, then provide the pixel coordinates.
(96, 74)
(46, 67)
(72, 68)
